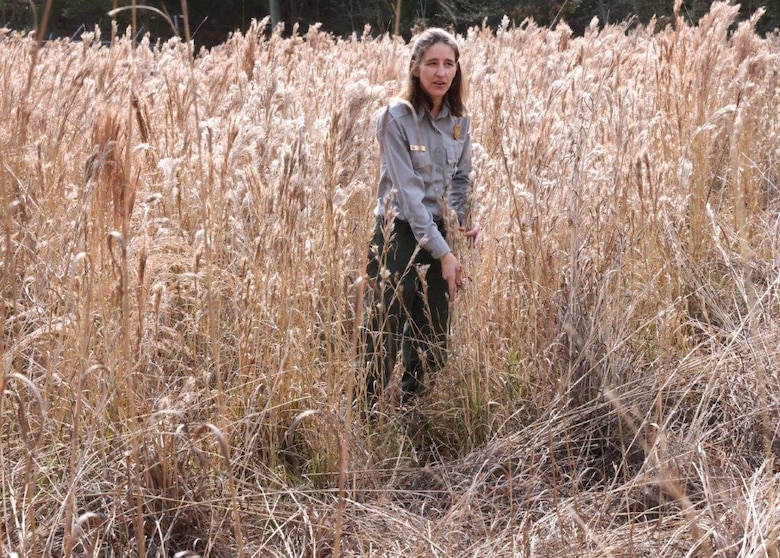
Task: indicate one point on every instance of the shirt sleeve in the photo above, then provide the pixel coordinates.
(461, 182)
(406, 168)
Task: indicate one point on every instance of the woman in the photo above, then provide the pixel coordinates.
(413, 275)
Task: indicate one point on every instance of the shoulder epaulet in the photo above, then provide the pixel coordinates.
(398, 108)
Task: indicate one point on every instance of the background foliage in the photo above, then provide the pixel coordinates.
(213, 20)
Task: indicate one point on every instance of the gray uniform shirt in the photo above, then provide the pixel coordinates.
(425, 164)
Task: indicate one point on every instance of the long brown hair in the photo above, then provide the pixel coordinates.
(414, 93)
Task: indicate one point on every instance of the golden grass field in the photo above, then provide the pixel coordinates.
(182, 240)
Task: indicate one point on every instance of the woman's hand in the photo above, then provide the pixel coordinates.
(474, 234)
(451, 272)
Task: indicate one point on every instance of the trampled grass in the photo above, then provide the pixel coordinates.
(182, 242)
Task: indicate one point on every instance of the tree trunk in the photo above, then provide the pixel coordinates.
(273, 8)
(603, 12)
(397, 22)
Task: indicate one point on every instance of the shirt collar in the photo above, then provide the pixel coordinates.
(443, 113)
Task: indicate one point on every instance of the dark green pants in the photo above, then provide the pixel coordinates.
(406, 307)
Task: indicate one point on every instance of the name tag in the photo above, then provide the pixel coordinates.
(417, 148)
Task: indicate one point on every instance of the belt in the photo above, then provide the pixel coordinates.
(402, 224)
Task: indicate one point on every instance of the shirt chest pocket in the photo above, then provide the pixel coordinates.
(454, 152)
(422, 164)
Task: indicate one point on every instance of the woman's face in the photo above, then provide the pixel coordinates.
(437, 70)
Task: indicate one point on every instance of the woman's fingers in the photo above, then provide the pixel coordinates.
(474, 234)
(451, 272)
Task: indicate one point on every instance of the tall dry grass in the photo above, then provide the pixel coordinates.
(182, 238)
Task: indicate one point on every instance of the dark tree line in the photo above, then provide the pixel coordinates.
(212, 20)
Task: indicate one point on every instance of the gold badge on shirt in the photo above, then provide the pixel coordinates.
(456, 132)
